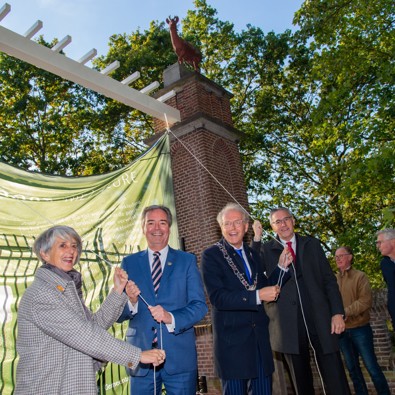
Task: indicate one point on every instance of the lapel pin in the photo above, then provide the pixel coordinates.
(60, 288)
(169, 263)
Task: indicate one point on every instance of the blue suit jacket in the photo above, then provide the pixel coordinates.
(181, 293)
(240, 325)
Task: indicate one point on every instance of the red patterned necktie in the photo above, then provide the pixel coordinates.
(291, 250)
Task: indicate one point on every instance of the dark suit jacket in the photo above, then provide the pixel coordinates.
(388, 270)
(321, 297)
(240, 326)
(181, 293)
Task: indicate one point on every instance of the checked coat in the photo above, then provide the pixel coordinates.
(61, 343)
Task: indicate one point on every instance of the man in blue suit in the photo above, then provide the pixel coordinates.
(170, 283)
(236, 286)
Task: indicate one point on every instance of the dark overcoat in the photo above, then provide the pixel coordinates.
(320, 296)
(240, 325)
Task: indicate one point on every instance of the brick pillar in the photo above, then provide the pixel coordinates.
(205, 160)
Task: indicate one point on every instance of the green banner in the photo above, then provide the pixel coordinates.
(105, 210)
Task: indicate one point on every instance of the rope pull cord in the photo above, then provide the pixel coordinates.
(263, 232)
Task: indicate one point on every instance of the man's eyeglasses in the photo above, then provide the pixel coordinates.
(379, 242)
(337, 257)
(284, 220)
(230, 224)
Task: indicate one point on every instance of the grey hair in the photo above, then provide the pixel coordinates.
(388, 233)
(46, 240)
(156, 207)
(274, 210)
(232, 206)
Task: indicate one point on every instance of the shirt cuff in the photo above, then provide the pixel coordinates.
(258, 301)
(133, 307)
(172, 326)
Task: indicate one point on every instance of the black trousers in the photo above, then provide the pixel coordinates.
(330, 368)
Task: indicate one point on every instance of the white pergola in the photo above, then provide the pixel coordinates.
(50, 59)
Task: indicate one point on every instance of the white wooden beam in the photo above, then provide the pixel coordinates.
(167, 96)
(4, 11)
(29, 51)
(110, 68)
(62, 44)
(149, 88)
(34, 29)
(132, 77)
(88, 56)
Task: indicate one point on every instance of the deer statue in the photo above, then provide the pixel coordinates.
(184, 50)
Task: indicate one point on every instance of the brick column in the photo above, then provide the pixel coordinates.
(205, 160)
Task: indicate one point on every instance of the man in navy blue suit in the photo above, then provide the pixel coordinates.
(386, 245)
(236, 286)
(170, 283)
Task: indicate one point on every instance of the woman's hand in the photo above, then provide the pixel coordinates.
(133, 291)
(154, 356)
(120, 280)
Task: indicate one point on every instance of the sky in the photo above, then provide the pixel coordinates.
(90, 23)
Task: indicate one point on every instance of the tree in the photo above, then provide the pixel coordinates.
(40, 116)
(317, 110)
(55, 126)
(323, 141)
(316, 107)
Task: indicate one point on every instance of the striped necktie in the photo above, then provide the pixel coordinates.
(156, 271)
(156, 275)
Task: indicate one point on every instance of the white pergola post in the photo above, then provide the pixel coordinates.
(50, 60)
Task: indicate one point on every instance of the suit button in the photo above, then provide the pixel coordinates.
(253, 325)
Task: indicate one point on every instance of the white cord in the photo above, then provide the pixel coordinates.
(161, 348)
(307, 329)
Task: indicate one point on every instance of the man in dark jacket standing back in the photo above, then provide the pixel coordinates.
(309, 311)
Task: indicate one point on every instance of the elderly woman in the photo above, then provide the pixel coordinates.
(61, 343)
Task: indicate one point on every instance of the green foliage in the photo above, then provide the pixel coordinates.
(324, 141)
(317, 111)
(316, 107)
